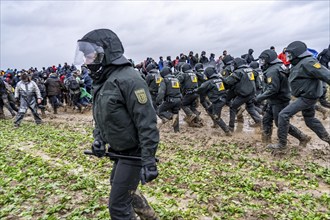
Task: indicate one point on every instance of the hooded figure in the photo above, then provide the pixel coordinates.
(249, 57)
(124, 119)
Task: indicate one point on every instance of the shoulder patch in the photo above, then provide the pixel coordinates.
(269, 80)
(141, 96)
(317, 65)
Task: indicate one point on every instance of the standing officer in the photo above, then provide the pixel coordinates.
(306, 76)
(243, 85)
(169, 95)
(278, 95)
(28, 94)
(124, 118)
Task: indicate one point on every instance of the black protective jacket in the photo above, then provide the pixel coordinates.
(188, 81)
(306, 78)
(169, 88)
(214, 88)
(277, 89)
(242, 81)
(123, 113)
(153, 80)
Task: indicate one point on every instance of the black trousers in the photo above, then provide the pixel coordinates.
(250, 108)
(307, 107)
(124, 180)
(189, 103)
(168, 108)
(271, 114)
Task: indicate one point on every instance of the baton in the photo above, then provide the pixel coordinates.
(115, 156)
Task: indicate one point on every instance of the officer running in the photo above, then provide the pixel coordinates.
(305, 79)
(278, 95)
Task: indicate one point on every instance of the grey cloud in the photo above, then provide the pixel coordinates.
(45, 33)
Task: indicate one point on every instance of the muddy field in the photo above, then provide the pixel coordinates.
(203, 173)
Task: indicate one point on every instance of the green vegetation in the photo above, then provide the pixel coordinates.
(45, 175)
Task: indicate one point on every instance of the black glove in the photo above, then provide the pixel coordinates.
(98, 148)
(149, 172)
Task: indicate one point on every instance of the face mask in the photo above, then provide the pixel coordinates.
(96, 71)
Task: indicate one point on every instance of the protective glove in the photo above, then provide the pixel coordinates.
(98, 148)
(149, 172)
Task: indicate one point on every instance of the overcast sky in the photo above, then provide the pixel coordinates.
(44, 33)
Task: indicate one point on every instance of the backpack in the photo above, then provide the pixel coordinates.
(74, 85)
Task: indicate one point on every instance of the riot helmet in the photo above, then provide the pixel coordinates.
(254, 65)
(185, 67)
(199, 67)
(210, 72)
(268, 57)
(227, 60)
(151, 66)
(239, 62)
(296, 50)
(99, 48)
(165, 71)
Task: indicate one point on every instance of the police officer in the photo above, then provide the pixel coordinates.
(124, 118)
(215, 90)
(189, 82)
(169, 95)
(278, 95)
(201, 77)
(153, 80)
(305, 79)
(28, 95)
(243, 85)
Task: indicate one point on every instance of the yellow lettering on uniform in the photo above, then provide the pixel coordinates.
(194, 79)
(269, 79)
(317, 65)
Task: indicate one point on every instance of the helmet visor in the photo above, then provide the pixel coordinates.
(262, 61)
(88, 53)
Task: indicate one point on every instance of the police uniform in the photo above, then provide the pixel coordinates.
(202, 97)
(169, 95)
(243, 85)
(278, 95)
(189, 83)
(124, 119)
(153, 80)
(305, 82)
(215, 90)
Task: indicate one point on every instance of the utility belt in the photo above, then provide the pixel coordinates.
(172, 99)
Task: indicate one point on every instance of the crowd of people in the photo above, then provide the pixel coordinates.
(127, 102)
(176, 84)
(64, 86)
